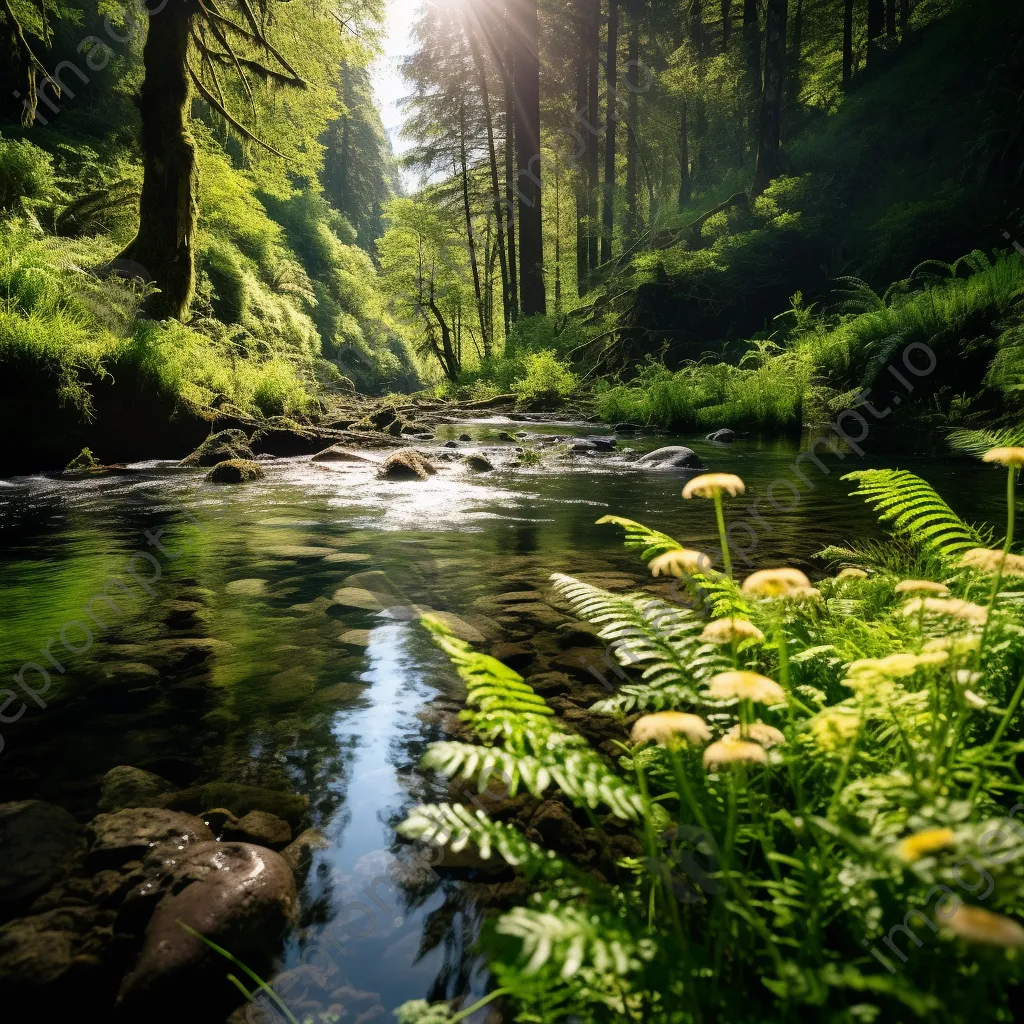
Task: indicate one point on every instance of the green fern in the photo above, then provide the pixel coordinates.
(573, 936)
(914, 511)
(526, 744)
(650, 543)
(977, 442)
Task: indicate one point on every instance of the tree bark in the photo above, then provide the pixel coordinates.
(582, 234)
(526, 50)
(904, 17)
(890, 18)
(611, 79)
(796, 52)
(467, 210)
(847, 45)
(492, 155)
(163, 250)
(510, 170)
(752, 49)
(684, 159)
(633, 146)
(593, 128)
(770, 121)
(876, 26)
(726, 24)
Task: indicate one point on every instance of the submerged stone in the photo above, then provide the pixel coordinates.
(39, 843)
(675, 457)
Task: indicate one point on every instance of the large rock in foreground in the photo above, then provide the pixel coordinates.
(220, 447)
(133, 833)
(671, 458)
(39, 842)
(239, 896)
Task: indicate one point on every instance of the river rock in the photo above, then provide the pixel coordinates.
(465, 437)
(723, 436)
(236, 471)
(54, 961)
(357, 597)
(220, 447)
(593, 444)
(554, 822)
(39, 843)
(407, 464)
(356, 638)
(239, 896)
(125, 786)
(239, 800)
(675, 457)
(132, 833)
(287, 439)
(298, 855)
(247, 588)
(260, 828)
(478, 463)
(451, 444)
(336, 453)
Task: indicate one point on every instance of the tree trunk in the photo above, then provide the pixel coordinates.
(492, 154)
(510, 171)
(467, 210)
(904, 17)
(593, 128)
(611, 78)
(890, 18)
(796, 52)
(526, 50)
(876, 26)
(633, 145)
(726, 24)
(770, 122)
(163, 250)
(847, 45)
(582, 234)
(684, 159)
(752, 49)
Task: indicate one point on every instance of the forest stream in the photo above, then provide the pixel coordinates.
(269, 638)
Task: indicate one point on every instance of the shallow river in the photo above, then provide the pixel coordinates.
(274, 684)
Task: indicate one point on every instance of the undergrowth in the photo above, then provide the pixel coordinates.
(818, 784)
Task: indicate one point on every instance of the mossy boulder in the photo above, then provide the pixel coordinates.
(84, 462)
(224, 446)
(407, 464)
(239, 800)
(235, 471)
(479, 463)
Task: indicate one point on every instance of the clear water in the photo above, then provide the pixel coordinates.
(271, 696)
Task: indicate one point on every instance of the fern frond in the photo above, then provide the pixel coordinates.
(456, 827)
(977, 442)
(645, 631)
(648, 542)
(895, 555)
(573, 936)
(914, 511)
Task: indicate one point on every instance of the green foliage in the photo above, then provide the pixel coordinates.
(545, 378)
(26, 175)
(805, 873)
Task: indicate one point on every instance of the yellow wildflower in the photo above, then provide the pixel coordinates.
(664, 726)
(977, 925)
(953, 607)
(726, 631)
(991, 561)
(895, 666)
(834, 727)
(708, 485)
(922, 587)
(920, 844)
(679, 563)
(767, 735)
(957, 646)
(746, 686)
(775, 582)
(1005, 456)
(852, 574)
(733, 751)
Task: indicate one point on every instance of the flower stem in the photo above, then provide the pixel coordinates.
(722, 536)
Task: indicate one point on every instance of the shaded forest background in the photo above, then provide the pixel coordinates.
(697, 214)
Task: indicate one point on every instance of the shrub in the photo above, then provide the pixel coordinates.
(26, 174)
(546, 378)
